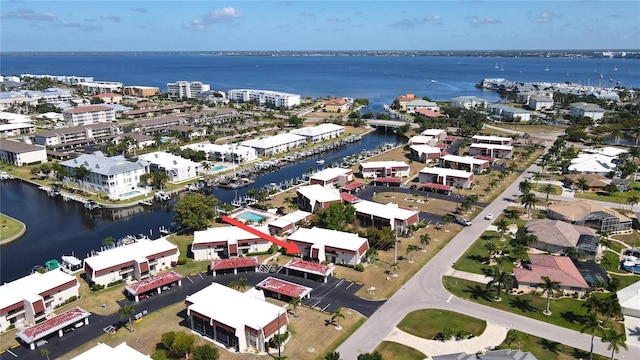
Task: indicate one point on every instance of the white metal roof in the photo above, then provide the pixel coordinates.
(167, 160)
(330, 173)
(492, 146)
(385, 211)
(464, 159)
(294, 217)
(104, 351)
(433, 132)
(31, 285)
(426, 149)
(491, 138)
(317, 130)
(421, 139)
(234, 308)
(120, 254)
(228, 233)
(383, 164)
(593, 163)
(326, 237)
(273, 141)
(446, 172)
(317, 192)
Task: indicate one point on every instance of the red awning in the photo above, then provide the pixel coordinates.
(351, 199)
(234, 263)
(353, 185)
(389, 180)
(438, 186)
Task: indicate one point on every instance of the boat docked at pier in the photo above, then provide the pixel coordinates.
(91, 205)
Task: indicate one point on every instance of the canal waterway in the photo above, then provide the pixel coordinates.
(56, 228)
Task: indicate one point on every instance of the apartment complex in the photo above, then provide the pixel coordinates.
(186, 89)
(269, 98)
(87, 115)
(19, 153)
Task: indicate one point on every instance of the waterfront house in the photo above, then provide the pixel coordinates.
(467, 163)
(378, 215)
(228, 241)
(583, 109)
(177, 168)
(86, 115)
(274, 99)
(468, 102)
(590, 214)
(556, 268)
(375, 169)
(414, 105)
(336, 105)
(451, 177)
(276, 144)
(556, 237)
(334, 246)
(332, 177)
(430, 114)
(137, 260)
(313, 198)
(235, 320)
(320, 132)
(25, 301)
(112, 176)
(20, 154)
(404, 99)
(592, 182)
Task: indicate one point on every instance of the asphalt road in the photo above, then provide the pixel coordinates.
(426, 291)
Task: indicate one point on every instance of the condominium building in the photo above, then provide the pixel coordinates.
(228, 241)
(274, 99)
(320, 132)
(186, 89)
(141, 91)
(77, 133)
(86, 115)
(276, 144)
(101, 87)
(112, 176)
(19, 153)
(334, 246)
(177, 168)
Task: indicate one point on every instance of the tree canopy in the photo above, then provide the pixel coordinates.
(336, 216)
(195, 211)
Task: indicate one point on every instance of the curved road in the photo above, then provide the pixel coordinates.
(425, 291)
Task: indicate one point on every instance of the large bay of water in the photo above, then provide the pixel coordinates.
(55, 228)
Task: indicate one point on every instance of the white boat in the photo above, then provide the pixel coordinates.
(91, 205)
(320, 162)
(162, 196)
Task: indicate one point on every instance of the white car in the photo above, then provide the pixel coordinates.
(488, 217)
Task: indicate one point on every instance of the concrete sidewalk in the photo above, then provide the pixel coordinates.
(492, 336)
(468, 276)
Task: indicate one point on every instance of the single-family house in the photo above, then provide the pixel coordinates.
(414, 105)
(336, 105)
(591, 182)
(404, 99)
(629, 299)
(556, 237)
(590, 214)
(557, 268)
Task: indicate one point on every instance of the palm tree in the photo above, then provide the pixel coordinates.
(336, 316)
(491, 249)
(425, 239)
(395, 266)
(528, 201)
(547, 189)
(410, 250)
(127, 311)
(549, 287)
(591, 324)
(615, 340)
(45, 352)
(80, 174)
(371, 254)
(617, 134)
(519, 252)
(502, 226)
(499, 279)
(583, 182)
(634, 151)
(633, 199)
(295, 302)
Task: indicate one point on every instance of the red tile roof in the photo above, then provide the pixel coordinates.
(336, 102)
(52, 325)
(441, 146)
(351, 199)
(283, 287)
(438, 186)
(308, 266)
(390, 180)
(153, 283)
(353, 185)
(429, 113)
(234, 263)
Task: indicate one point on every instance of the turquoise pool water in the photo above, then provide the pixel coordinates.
(131, 194)
(251, 216)
(217, 168)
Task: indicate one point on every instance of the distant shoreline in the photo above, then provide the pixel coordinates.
(586, 53)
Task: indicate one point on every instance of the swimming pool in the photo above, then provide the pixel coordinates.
(131, 194)
(251, 216)
(217, 168)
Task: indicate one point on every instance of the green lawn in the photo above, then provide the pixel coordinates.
(617, 197)
(545, 349)
(183, 242)
(565, 312)
(557, 190)
(394, 351)
(10, 227)
(427, 323)
(475, 259)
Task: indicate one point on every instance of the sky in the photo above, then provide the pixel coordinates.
(161, 25)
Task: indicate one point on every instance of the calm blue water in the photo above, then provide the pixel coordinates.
(378, 78)
(251, 216)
